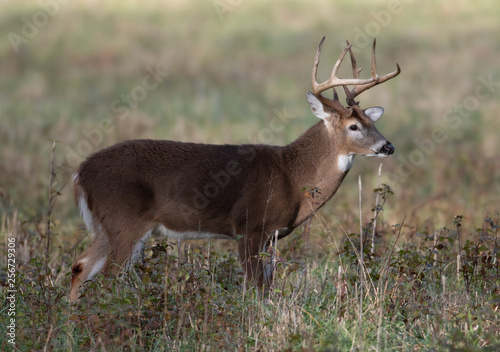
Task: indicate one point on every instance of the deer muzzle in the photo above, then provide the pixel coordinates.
(387, 148)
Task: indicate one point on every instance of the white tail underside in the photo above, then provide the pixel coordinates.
(85, 213)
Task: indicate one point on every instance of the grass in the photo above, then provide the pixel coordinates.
(226, 74)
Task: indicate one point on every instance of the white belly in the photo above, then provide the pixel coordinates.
(190, 235)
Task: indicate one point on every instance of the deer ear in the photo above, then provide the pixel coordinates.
(317, 107)
(374, 113)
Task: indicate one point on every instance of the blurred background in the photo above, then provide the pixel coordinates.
(88, 74)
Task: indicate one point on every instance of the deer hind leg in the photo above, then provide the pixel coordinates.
(118, 251)
(90, 262)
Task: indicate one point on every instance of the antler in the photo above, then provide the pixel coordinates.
(376, 79)
(360, 85)
(333, 81)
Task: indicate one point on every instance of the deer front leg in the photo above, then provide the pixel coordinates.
(249, 249)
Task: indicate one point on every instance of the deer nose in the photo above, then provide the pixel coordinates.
(388, 148)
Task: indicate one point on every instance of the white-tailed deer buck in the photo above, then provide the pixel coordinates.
(241, 192)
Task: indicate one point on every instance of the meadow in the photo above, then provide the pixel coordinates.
(76, 77)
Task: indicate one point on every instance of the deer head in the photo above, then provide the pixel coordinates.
(352, 128)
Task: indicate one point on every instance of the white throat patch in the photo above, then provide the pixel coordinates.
(344, 162)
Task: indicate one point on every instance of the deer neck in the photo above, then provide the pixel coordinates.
(317, 168)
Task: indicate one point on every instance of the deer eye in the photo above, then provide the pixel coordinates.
(353, 127)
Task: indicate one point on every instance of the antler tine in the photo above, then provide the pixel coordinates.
(315, 66)
(358, 89)
(374, 60)
(335, 95)
(355, 70)
(354, 64)
(333, 76)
